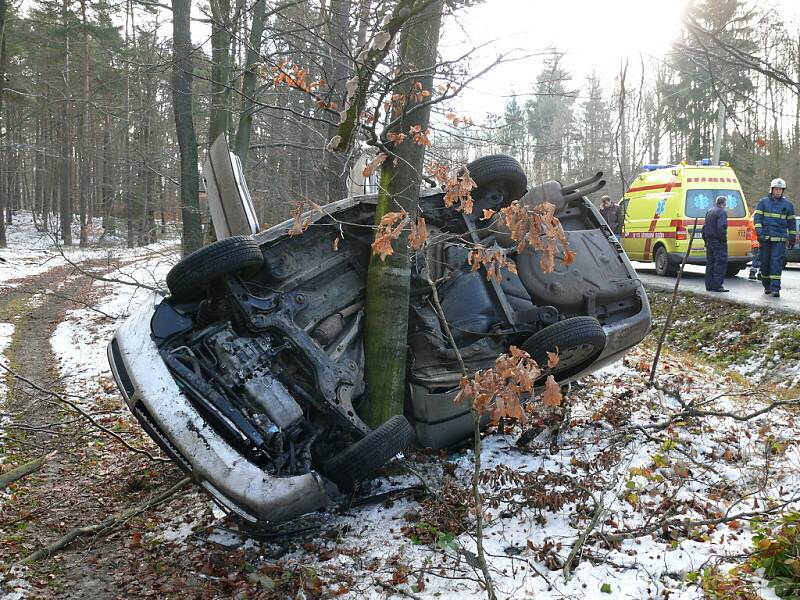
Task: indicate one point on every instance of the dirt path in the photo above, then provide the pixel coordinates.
(90, 477)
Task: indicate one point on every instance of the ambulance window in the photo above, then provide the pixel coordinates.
(698, 202)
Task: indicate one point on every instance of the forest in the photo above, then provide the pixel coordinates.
(438, 363)
(88, 127)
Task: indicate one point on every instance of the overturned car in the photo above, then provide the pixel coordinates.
(250, 374)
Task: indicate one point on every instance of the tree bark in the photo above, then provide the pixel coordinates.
(3, 198)
(388, 282)
(249, 80)
(220, 118)
(337, 73)
(65, 200)
(182, 76)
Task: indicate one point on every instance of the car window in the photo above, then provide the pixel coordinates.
(698, 202)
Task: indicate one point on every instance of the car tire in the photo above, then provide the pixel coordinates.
(361, 460)
(579, 341)
(732, 270)
(189, 278)
(663, 266)
(498, 173)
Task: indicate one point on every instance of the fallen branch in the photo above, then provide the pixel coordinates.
(83, 413)
(9, 477)
(105, 525)
(687, 524)
(581, 540)
(668, 320)
(396, 590)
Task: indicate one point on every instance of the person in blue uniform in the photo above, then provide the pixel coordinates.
(776, 228)
(715, 235)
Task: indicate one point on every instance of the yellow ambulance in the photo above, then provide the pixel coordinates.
(660, 208)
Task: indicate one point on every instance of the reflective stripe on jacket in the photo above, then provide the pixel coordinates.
(774, 219)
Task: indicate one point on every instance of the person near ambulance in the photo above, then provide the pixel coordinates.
(715, 236)
(612, 213)
(776, 228)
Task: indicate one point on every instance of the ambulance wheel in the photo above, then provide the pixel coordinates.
(663, 266)
(733, 270)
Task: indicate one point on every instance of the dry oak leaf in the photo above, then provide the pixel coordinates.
(301, 220)
(553, 359)
(370, 168)
(418, 235)
(389, 229)
(552, 392)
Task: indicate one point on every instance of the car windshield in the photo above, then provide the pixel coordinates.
(698, 202)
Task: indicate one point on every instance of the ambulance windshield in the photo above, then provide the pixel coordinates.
(698, 202)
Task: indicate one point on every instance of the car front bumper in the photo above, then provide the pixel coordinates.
(173, 422)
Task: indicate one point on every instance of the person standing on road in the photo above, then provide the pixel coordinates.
(776, 227)
(715, 235)
(612, 213)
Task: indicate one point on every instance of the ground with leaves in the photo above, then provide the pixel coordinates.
(658, 485)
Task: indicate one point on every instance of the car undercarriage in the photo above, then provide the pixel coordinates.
(250, 374)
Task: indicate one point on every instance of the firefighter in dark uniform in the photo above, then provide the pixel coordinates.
(776, 227)
(715, 235)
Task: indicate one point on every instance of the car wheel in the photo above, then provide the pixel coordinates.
(359, 461)
(500, 179)
(663, 266)
(578, 341)
(187, 281)
(732, 270)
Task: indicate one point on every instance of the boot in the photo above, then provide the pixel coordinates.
(752, 275)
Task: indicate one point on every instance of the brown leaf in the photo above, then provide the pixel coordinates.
(374, 164)
(553, 359)
(552, 392)
(418, 235)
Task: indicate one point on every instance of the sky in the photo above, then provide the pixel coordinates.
(594, 35)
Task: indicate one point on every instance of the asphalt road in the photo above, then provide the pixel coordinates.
(742, 290)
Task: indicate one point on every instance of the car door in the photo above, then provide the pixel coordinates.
(229, 202)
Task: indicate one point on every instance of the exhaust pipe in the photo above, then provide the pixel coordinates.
(578, 193)
(574, 186)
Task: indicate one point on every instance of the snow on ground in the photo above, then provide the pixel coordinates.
(617, 453)
(31, 252)
(79, 341)
(6, 333)
(692, 470)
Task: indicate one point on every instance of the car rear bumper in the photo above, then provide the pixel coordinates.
(172, 421)
(700, 259)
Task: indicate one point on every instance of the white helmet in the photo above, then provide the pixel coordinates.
(778, 183)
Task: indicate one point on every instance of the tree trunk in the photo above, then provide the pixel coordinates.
(388, 282)
(83, 137)
(220, 118)
(182, 76)
(249, 80)
(65, 201)
(3, 199)
(337, 73)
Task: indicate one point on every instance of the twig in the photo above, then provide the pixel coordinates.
(476, 424)
(83, 413)
(686, 524)
(24, 470)
(397, 590)
(109, 523)
(668, 321)
(576, 547)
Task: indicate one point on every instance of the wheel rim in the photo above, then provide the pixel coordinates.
(661, 261)
(574, 356)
